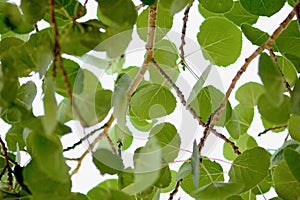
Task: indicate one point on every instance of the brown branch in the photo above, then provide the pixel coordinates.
(174, 192)
(272, 129)
(149, 50)
(298, 17)
(215, 116)
(81, 11)
(7, 167)
(274, 59)
(59, 61)
(120, 144)
(183, 32)
(139, 6)
(91, 147)
(110, 142)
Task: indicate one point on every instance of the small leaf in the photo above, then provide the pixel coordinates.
(34, 10)
(292, 159)
(220, 40)
(249, 93)
(239, 15)
(262, 7)
(250, 168)
(195, 164)
(174, 6)
(295, 98)
(288, 70)
(294, 127)
(278, 156)
(152, 101)
(218, 6)
(14, 137)
(172, 184)
(254, 35)
(164, 179)
(107, 162)
(26, 94)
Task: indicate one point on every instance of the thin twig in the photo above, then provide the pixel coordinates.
(149, 50)
(174, 192)
(7, 167)
(110, 142)
(59, 61)
(274, 59)
(139, 6)
(91, 147)
(120, 144)
(81, 11)
(272, 129)
(215, 116)
(298, 17)
(183, 32)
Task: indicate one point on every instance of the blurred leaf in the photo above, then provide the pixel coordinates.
(164, 179)
(107, 162)
(174, 6)
(172, 183)
(152, 101)
(263, 7)
(292, 159)
(295, 98)
(195, 164)
(250, 168)
(294, 127)
(278, 156)
(220, 40)
(26, 94)
(142, 125)
(125, 136)
(14, 137)
(34, 10)
(276, 114)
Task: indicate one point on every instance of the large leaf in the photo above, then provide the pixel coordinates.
(218, 6)
(286, 186)
(272, 79)
(292, 159)
(167, 137)
(220, 40)
(262, 7)
(207, 101)
(250, 168)
(152, 101)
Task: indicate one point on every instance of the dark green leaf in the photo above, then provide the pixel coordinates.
(296, 98)
(254, 35)
(164, 179)
(172, 184)
(152, 101)
(250, 168)
(34, 10)
(220, 40)
(262, 7)
(278, 156)
(125, 136)
(15, 138)
(174, 6)
(195, 164)
(294, 127)
(26, 94)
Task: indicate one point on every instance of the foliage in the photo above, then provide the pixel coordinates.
(139, 102)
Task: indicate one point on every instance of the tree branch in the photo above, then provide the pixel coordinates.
(272, 129)
(174, 192)
(59, 61)
(7, 167)
(149, 50)
(183, 32)
(81, 11)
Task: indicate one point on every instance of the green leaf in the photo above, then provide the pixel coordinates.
(278, 156)
(285, 184)
(148, 2)
(117, 134)
(167, 137)
(292, 159)
(152, 101)
(216, 191)
(172, 183)
(254, 35)
(64, 111)
(34, 10)
(50, 106)
(46, 153)
(264, 186)
(121, 12)
(218, 6)
(120, 99)
(79, 38)
(241, 120)
(262, 7)
(174, 6)
(294, 127)
(288, 70)
(207, 101)
(26, 94)
(288, 41)
(107, 162)
(164, 179)
(142, 125)
(250, 168)
(244, 142)
(146, 170)
(220, 40)
(295, 98)
(239, 15)
(15, 138)
(272, 79)
(209, 172)
(195, 164)
(277, 114)
(249, 93)
(164, 22)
